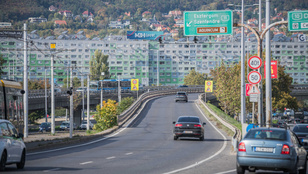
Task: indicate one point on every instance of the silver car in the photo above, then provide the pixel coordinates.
(12, 147)
(83, 125)
(271, 149)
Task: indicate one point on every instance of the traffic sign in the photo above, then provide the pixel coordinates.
(253, 89)
(11, 33)
(208, 23)
(254, 98)
(302, 37)
(254, 77)
(134, 85)
(208, 86)
(254, 62)
(248, 86)
(298, 20)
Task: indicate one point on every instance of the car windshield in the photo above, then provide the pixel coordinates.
(301, 128)
(266, 134)
(44, 124)
(64, 124)
(189, 119)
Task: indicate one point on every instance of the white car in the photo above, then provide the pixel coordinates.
(83, 125)
(12, 147)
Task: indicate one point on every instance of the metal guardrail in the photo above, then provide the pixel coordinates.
(236, 138)
(128, 113)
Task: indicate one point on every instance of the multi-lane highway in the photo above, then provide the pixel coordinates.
(145, 146)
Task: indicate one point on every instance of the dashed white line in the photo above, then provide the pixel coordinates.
(129, 153)
(112, 157)
(88, 162)
(45, 171)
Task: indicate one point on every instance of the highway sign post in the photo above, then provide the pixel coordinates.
(208, 23)
(298, 20)
(254, 62)
(254, 77)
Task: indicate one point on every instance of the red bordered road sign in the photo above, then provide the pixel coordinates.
(254, 62)
(254, 77)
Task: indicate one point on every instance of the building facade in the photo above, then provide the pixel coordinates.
(141, 59)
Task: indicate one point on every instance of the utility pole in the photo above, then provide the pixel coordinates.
(71, 105)
(243, 107)
(82, 86)
(88, 102)
(268, 82)
(45, 97)
(25, 83)
(158, 66)
(52, 46)
(119, 89)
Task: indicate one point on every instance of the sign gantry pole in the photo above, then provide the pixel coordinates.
(25, 83)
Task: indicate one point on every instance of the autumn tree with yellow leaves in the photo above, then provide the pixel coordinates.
(106, 116)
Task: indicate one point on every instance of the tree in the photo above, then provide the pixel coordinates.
(76, 82)
(106, 116)
(195, 78)
(98, 64)
(124, 104)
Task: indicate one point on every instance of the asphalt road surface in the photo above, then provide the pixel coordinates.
(145, 146)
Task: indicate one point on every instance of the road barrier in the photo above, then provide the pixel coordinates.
(236, 138)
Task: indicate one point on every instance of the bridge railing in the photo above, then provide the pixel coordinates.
(236, 138)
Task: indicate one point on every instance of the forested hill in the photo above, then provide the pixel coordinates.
(19, 10)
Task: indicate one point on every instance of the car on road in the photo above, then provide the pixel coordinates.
(12, 147)
(45, 127)
(83, 125)
(271, 149)
(188, 126)
(301, 130)
(65, 125)
(181, 96)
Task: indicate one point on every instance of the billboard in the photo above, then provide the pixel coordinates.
(144, 35)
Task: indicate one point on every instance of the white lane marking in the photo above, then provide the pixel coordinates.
(45, 171)
(92, 142)
(88, 162)
(204, 160)
(129, 153)
(226, 171)
(112, 157)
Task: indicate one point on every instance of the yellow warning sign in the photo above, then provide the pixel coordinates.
(134, 84)
(208, 86)
(53, 46)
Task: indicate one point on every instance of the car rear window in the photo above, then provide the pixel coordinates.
(266, 134)
(181, 93)
(301, 128)
(188, 119)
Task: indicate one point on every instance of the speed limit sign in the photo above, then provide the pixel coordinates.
(254, 62)
(254, 77)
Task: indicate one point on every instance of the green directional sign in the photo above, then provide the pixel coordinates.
(208, 23)
(298, 20)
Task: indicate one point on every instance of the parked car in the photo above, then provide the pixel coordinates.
(188, 126)
(181, 96)
(301, 130)
(12, 147)
(45, 127)
(83, 125)
(65, 125)
(182, 86)
(271, 149)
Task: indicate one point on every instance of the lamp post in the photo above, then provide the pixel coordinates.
(102, 90)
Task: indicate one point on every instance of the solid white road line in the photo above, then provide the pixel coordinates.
(92, 142)
(88, 162)
(202, 161)
(129, 153)
(112, 157)
(51, 170)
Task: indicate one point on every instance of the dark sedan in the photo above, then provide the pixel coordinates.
(188, 126)
(301, 130)
(271, 149)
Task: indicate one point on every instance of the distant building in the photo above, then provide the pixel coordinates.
(52, 8)
(37, 20)
(87, 14)
(66, 13)
(116, 24)
(146, 14)
(60, 22)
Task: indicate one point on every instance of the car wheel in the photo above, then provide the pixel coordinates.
(3, 161)
(294, 171)
(186, 101)
(22, 162)
(240, 169)
(176, 101)
(303, 171)
(201, 138)
(175, 138)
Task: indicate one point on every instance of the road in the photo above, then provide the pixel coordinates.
(146, 146)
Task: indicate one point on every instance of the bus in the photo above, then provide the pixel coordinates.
(11, 103)
(112, 84)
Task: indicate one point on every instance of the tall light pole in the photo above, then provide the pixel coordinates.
(53, 47)
(268, 82)
(102, 90)
(243, 107)
(157, 67)
(45, 96)
(88, 102)
(25, 83)
(82, 86)
(71, 105)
